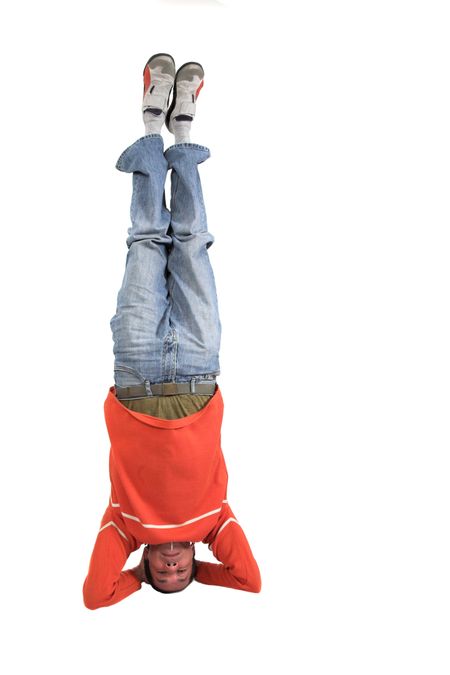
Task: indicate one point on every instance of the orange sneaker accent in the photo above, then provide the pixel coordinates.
(147, 79)
(198, 90)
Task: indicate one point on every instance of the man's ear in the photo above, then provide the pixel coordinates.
(147, 573)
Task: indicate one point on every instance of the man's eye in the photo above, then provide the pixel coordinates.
(162, 572)
(182, 571)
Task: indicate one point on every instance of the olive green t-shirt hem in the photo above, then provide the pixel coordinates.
(168, 407)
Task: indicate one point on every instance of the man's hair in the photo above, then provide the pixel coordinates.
(150, 580)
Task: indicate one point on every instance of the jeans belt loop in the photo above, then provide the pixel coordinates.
(193, 386)
(148, 388)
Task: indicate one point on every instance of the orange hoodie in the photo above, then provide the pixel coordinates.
(168, 483)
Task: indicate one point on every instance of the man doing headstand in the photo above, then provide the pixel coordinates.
(164, 414)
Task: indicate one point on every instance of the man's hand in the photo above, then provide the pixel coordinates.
(139, 570)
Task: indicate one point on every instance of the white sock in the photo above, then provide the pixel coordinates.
(153, 121)
(182, 130)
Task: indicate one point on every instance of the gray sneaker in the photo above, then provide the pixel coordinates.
(188, 83)
(159, 76)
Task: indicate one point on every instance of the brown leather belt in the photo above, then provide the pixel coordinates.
(166, 389)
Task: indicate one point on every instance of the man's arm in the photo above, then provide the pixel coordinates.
(106, 583)
(238, 568)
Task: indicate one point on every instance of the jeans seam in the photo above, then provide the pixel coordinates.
(174, 354)
(195, 146)
(169, 355)
(175, 179)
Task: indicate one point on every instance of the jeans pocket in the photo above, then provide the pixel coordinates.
(124, 376)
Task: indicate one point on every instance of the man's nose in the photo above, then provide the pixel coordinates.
(172, 563)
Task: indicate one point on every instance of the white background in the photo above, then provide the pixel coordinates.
(327, 193)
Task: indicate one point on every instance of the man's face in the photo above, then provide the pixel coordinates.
(171, 565)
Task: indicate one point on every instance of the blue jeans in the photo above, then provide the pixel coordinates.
(166, 327)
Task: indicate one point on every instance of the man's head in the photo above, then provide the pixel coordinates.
(170, 567)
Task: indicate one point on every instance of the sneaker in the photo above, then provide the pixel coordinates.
(188, 83)
(159, 75)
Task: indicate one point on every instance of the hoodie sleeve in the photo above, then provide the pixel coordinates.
(237, 567)
(106, 583)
